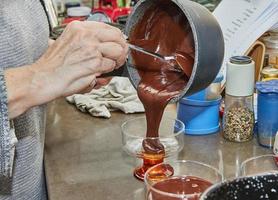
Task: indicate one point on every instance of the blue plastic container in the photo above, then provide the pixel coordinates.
(201, 117)
(201, 95)
(267, 112)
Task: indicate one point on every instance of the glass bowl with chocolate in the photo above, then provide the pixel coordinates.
(151, 150)
(180, 180)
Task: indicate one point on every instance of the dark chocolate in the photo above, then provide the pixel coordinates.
(163, 29)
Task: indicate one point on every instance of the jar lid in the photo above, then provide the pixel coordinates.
(270, 72)
(241, 60)
(72, 4)
(240, 77)
(79, 11)
(271, 42)
(267, 86)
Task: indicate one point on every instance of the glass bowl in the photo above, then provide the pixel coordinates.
(170, 139)
(180, 180)
(259, 165)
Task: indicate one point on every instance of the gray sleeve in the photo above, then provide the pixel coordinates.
(7, 134)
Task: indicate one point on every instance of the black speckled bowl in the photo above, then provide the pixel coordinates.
(245, 188)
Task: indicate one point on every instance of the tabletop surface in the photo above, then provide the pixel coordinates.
(84, 158)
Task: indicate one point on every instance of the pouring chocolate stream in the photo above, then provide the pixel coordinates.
(163, 29)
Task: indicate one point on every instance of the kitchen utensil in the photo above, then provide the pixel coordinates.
(169, 59)
(209, 43)
(153, 54)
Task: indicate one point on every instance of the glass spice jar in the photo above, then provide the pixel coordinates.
(269, 73)
(238, 120)
(271, 43)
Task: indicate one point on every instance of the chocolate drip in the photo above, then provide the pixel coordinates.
(163, 29)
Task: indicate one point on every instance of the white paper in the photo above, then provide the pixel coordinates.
(243, 22)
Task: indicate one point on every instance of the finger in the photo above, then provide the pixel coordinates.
(93, 83)
(73, 29)
(80, 85)
(95, 24)
(84, 67)
(106, 66)
(111, 50)
(106, 35)
(92, 25)
(120, 62)
(103, 81)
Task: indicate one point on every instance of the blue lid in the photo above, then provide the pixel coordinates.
(196, 102)
(218, 79)
(267, 86)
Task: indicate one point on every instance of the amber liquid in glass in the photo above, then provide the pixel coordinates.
(149, 160)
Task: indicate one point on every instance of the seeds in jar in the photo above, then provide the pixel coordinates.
(239, 124)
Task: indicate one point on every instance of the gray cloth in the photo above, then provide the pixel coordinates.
(118, 94)
(23, 39)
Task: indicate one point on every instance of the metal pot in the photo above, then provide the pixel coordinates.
(209, 43)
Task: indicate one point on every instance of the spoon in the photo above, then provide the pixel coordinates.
(178, 61)
(176, 66)
(153, 54)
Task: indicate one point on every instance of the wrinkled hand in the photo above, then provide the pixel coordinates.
(100, 82)
(83, 52)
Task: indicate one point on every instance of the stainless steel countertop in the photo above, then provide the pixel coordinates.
(84, 159)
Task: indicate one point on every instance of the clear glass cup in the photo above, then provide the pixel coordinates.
(171, 134)
(180, 180)
(260, 165)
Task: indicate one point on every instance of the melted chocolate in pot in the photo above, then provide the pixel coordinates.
(163, 29)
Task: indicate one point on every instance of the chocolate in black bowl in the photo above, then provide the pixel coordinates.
(245, 188)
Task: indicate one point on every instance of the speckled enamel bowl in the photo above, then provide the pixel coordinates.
(245, 188)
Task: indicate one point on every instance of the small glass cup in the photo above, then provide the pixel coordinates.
(260, 165)
(134, 133)
(180, 180)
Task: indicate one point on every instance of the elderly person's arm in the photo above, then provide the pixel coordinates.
(84, 51)
(50, 42)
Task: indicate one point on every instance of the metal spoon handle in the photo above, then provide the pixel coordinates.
(153, 54)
